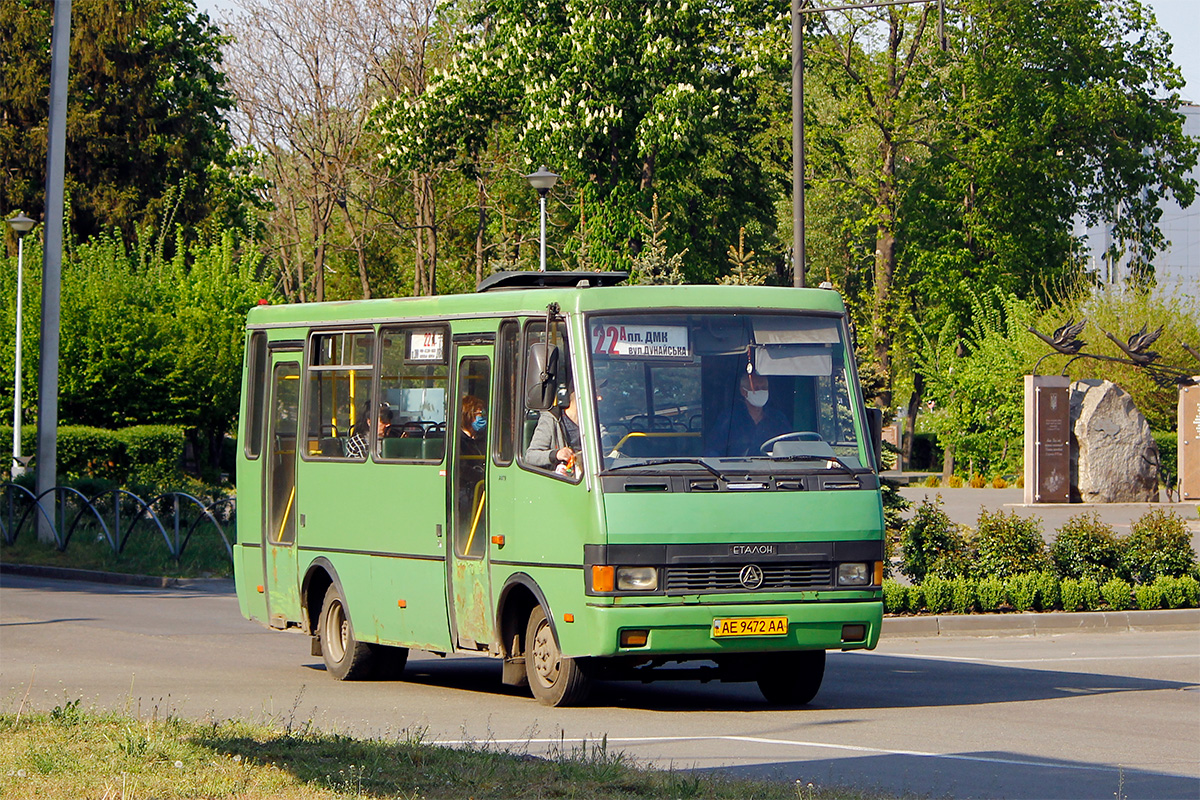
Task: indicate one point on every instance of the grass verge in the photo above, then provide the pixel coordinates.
(74, 753)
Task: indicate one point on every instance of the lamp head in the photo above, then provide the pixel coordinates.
(21, 224)
(543, 180)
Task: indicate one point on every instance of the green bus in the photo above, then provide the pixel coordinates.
(581, 479)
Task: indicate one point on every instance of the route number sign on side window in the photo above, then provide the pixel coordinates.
(426, 347)
(641, 341)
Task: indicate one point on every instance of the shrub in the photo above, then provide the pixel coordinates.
(990, 592)
(1049, 591)
(155, 455)
(1168, 446)
(914, 599)
(1158, 544)
(1117, 593)
(939, 594)
(1090, 589)
(1172, 591)
(999, 482)
(977, 481)
(1191, 590)
(1020, 481)
(955, 482)
(932, 544)
(1086, 547)
(963, 596)
(1008, 545)
(1021, 591)
(1071, 595)
(931, 481)
(1148, 596)
(895, 597)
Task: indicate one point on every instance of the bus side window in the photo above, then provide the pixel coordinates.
(413, 382)
(256, 390)
(508, 393)
(340, 385)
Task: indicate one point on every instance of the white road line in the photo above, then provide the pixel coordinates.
(1060, 659)
(784, 743)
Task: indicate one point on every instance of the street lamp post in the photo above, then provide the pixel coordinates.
(543, 180)
(21, 224)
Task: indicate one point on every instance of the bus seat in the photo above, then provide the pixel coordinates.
(433, 448)
(332, 446)
(403, 448)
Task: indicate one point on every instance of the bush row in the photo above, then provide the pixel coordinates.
(1002, 546)
(143, 455)
(1037, 591)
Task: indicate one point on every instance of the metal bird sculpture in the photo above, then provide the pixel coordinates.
(1193, 352)
(1066, 339)
(1135, 349)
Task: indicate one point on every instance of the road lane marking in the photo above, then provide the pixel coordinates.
(792, 743)
(1059, 659)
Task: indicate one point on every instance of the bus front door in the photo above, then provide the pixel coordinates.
(468, 582)
(279, 506)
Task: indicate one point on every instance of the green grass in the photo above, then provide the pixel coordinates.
(72, 753)
(145, 552)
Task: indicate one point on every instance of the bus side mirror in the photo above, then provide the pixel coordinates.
(541, 376)
(875, 426)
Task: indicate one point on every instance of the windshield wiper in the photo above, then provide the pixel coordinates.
(657, 462)
(816, 457)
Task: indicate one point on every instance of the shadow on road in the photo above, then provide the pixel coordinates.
(852, 681)
(973, 775)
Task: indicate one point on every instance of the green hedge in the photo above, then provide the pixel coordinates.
(142, 456)
(1168, 446)
(1040, 591)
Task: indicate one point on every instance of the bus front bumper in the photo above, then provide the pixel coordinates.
(688, 630)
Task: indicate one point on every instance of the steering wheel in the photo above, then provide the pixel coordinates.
(799, 436)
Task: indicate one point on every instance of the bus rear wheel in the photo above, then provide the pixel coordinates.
(346, 658)
(554, 679)
(791, 679)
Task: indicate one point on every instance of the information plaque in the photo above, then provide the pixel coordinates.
(1047, 439)
(1189, 442)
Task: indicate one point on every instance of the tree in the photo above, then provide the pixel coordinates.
(623, 99)
(146, 137)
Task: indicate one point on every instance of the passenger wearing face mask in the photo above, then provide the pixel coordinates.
(740, 430)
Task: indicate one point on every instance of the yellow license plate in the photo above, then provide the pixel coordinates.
(750, 626)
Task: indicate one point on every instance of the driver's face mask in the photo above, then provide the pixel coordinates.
(757, 397)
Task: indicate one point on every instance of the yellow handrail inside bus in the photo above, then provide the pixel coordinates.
(286, 513)
(480, 496)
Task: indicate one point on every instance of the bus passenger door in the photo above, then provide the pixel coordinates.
(470, 589)
(279, 506)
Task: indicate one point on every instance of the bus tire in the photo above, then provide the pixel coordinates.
(791, 679)
(554, 679)
(346, 658)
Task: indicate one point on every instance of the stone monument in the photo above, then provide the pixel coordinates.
(1114, 459)
(1189, 441)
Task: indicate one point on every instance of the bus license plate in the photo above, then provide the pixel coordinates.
(750, 626)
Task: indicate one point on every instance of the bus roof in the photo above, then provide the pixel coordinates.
(515, 302)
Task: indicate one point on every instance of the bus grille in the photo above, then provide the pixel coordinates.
(776, 577)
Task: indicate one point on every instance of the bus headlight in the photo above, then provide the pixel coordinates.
(637, 579)
(854, 574)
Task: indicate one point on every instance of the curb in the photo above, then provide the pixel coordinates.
(214, 585)
(1045, 623)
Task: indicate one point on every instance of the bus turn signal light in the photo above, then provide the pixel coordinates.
(634, 638)
(260, 589)
(498, 540)
(879, 573)
(603, 579)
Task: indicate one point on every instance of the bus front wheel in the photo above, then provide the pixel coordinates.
(792, 679)
(554, 679)
(346, 658)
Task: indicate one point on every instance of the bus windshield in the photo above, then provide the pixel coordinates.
(713, 389)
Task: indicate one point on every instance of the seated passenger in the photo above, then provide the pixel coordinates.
(556, 442)
(741, 429)
(356, 445)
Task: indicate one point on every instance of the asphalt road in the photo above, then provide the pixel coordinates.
(1080, 715)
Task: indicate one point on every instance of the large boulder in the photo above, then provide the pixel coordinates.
(1113, 456)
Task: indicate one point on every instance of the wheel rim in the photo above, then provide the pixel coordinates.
(546, 657)
(337, 629)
